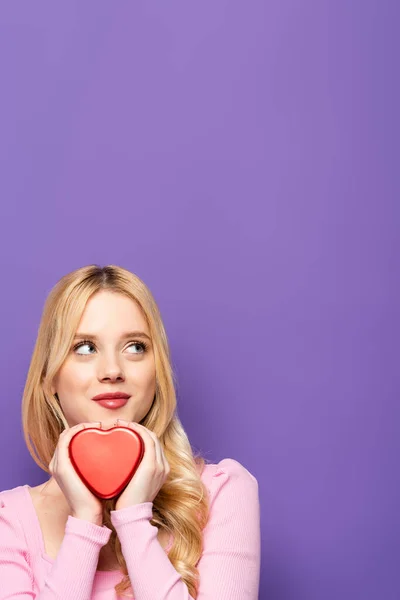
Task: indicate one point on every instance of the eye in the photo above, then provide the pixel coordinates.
(81, 345)
(84, 343)
(142, 345)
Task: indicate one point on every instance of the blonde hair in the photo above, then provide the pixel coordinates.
(181, 507)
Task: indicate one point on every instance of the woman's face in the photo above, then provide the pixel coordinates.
(113, 359)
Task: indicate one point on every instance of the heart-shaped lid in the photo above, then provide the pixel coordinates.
(106, 459)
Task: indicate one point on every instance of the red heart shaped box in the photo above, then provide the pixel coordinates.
(106, 460)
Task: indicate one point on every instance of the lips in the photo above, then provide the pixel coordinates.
(111, 396)
(112, 402)
(112, 399)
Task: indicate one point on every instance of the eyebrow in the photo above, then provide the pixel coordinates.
(128, 334)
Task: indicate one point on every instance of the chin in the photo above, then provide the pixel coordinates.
(110, 422)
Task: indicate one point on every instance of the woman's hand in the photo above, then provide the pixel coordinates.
(84, 504)
(151, 473)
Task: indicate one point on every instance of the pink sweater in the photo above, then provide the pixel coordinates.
(229, 566)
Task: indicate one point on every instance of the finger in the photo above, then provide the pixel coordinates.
(67, 435)
(149, 442)
(53, 462)
(153, 440)
(158, 448)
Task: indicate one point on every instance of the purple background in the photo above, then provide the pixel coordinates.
(242, 159)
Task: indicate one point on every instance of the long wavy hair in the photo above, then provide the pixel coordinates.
(181, 507)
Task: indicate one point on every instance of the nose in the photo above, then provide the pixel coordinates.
(111, 370)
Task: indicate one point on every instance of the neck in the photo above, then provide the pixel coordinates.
(51, 489)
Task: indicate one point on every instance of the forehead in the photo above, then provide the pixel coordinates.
(111, 311)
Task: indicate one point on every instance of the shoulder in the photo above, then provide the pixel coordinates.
(10, 502)
(13, 500)
(7, 497)
(230, 467)
(230, 476)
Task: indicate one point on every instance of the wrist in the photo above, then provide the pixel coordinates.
(95, 519)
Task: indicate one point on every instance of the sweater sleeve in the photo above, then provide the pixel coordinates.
(72, 573)
(229, 566)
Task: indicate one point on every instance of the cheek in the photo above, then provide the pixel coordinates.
(144, 375)
(140, 369)
(74, 376)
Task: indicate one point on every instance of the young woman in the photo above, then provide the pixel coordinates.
(181, 529)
